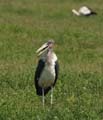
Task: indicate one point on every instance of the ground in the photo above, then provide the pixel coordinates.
(24, 26)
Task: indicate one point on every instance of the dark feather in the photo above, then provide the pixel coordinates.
(38, 72)
(56, 71)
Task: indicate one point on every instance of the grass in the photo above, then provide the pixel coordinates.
(24, 26)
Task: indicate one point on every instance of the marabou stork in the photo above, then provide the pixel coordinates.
(46, 73)
(84, 11)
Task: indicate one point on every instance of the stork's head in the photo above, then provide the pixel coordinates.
(46, 53)
(45, 47)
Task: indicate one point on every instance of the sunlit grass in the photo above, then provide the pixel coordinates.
(24, 26)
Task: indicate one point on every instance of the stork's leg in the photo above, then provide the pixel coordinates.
(43, 98)
(51, 95)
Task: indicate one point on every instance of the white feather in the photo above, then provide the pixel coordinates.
(84, 10)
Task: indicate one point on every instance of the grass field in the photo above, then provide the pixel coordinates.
(24, 26)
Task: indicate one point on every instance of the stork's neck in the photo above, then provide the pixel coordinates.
(49, 57)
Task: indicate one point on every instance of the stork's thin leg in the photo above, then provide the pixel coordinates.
(51, 95)
(43, 99)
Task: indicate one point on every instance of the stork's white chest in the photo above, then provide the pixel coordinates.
(48, 76)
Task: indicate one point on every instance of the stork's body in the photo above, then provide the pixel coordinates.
(84, 11)
(47, 70)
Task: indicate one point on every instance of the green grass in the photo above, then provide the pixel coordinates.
(27, 24)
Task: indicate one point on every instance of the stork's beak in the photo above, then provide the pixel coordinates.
(43, 48)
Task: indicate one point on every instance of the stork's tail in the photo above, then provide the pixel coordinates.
(93, 13)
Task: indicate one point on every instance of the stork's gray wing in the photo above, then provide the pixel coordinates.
(39, 69)
(56, 71)
(38, 72)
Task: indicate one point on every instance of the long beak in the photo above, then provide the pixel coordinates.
(42, 49)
